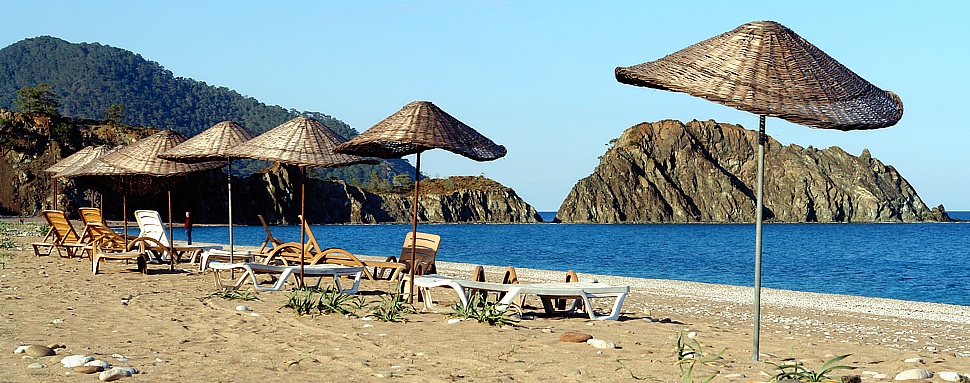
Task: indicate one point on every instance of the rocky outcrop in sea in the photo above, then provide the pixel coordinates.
(705, 171)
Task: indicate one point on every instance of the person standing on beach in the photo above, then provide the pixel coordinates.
(188, 228)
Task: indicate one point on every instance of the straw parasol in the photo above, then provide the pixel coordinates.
(304, 142)
(212, 144)
(764, 68)
(139, 170)
(75, 161)
(417, 127)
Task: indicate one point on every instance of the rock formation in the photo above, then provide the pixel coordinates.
(705, 171)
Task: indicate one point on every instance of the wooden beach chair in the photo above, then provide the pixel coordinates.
(106, 244)
(289, 254)
(250, 270)
(62, 236)
(547, 292)
(271, 242)
(426, 250)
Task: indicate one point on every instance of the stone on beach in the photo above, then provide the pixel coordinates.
(75, 360)
(950, 376)
(38, 350)
(87, 369)
(574, 337)
(916, 373)
(36, 365)
(599, 343)
(98, 363)
(112, 375)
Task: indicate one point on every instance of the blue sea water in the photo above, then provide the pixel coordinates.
(928, 262)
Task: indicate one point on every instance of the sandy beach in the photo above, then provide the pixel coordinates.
(169, 327)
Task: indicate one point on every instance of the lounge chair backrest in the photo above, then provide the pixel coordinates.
(270, 239)
(90, 215)
(425, 251)
(150, 223)
(61, 227)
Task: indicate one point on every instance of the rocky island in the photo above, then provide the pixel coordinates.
(705, 171)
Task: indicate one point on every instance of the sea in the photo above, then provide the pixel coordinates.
(924, 262)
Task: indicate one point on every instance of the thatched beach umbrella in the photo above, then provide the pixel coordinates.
(303, 142)
(764, 68)
(73, 162)
(417, 127)
(141, 159)
(210, 145)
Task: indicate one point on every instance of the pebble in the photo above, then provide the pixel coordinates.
(599, 343)
(36, 365)
(914, 360)
(916, 373)
(128, 370)
(75, 360)
(87, 369)
(112, 375)
(950, 376)
(55, 346)
(454, 320)
(691, 335)
(98, 363)
(160, 360)
(57, 321)
(367, 325)
(385, 374)
(38, 350)
(243, 308)
(20, 349)
(574, 337)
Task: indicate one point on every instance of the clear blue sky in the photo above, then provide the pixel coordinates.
(537, 76)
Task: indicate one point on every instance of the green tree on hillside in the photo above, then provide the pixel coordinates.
(38, 99)
(115, 113)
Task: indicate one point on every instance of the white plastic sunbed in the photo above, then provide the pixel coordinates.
(581, 291)
(314, 271)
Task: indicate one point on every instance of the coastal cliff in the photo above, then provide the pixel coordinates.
(453, 199)
(29, 144)
(705, 171)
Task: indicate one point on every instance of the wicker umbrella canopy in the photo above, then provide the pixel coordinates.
(417, 127)
(420, 126)
(304, 142)
(73, 162)
(764, 68)
(78, 159)
(213, 144)
(141, 157)
(301, 141)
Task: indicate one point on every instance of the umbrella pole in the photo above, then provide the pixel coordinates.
(414, 227)
(302, 221)
(124, 216)
(232, 259)
(54, 193)
(171, 236)
(756, 332)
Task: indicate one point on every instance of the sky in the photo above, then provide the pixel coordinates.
(537, 76)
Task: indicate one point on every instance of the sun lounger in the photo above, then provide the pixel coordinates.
(151, 226)
(62, 236)
(271, 242)
(547, 292)
(425, 252)
(238, 256)
(251, 269)
(97, 252)
(289, 253)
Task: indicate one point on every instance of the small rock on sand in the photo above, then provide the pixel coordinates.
(87, 369)
(75, 360)
(916, 373)
(38, 350)
(950, 376)
(599, 343)
(574, 337)
(112, 375)
(36, 365)
(914, 360)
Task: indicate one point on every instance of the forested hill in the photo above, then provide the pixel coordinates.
(90, 77)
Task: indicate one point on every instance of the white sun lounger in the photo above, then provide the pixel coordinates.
(315, 271)
(581, 291)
